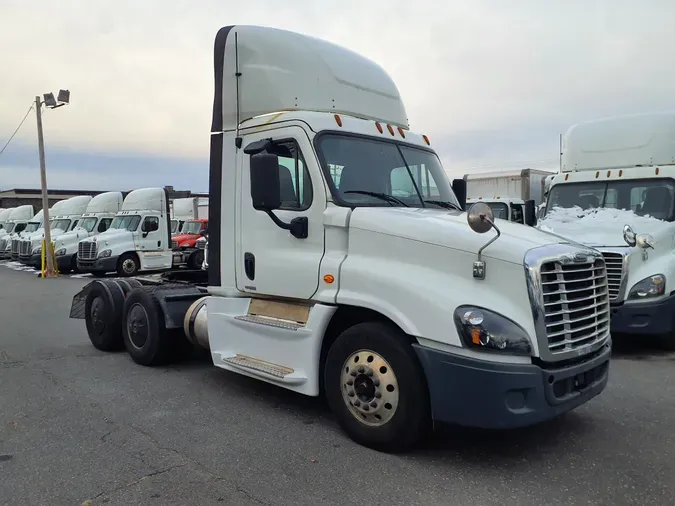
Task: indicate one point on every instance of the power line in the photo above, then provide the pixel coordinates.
(15, 131)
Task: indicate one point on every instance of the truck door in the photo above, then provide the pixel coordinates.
(269, 259)
(150, 240)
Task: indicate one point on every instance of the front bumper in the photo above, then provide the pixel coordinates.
(64, 262)
(34, 261)
(653, 318)
(108, 264)
(494, 395)
(5, 254)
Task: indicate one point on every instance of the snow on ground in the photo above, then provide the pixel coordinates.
(599, 227)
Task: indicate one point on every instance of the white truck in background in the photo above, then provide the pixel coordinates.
(616, 193)
(512, 195)
(96, 219)
(330, 272)
(541, 208)
(17, 222)
(4, 216)
(138, 240)
(64, 216)
(33, 225)
(187, 209)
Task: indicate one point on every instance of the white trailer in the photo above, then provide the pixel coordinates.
(616, 192)
(341, 263)
(512, 195)
(188, 209)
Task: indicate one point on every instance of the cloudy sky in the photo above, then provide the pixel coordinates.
(492, 82)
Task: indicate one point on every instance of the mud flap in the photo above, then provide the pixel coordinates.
(77, 306)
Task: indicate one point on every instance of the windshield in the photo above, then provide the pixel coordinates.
(652, 197)
(88, 223)
(128, 222)
(9, 227)
(60, 224)
(364, 165)
(191, 227)
(32, 226)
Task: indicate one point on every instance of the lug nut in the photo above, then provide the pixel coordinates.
(365, 407)
(350, 382)
(357, 403)
(350, 393)
(373, 404)
(378, 394)
(362, 369)
(370, 372)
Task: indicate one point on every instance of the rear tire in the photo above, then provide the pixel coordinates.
(376, 387)
(195, 260)
(145, 336)
(102, 316)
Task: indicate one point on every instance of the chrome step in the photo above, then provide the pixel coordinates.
(249, 363)
(271, 322)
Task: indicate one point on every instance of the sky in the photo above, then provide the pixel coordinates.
(492, 83)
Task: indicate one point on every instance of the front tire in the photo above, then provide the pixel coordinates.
(376, 387)
(127, 265)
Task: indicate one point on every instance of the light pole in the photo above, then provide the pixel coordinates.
(49, 101)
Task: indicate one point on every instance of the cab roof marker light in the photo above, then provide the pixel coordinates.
(379, 127)
(401, 132)
(426, 139)
(338, 120)
(391, 129)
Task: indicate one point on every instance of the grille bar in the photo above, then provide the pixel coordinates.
(87, 250)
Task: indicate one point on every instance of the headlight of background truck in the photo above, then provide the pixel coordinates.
(653, 286)
(60, 252)
(482, 329)
(105, 253)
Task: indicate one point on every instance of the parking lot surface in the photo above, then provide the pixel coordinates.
(78, 426)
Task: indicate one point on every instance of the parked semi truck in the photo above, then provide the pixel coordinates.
(64, 217)
(96, 219)
(4, 217)
(33, 225)
(186, 209)
(186, 250)
(616, 193)
(138, 239)
(326, 278)
(16, 223)
(512, 195)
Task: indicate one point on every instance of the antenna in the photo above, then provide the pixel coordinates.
(560, 157)
(237, 74)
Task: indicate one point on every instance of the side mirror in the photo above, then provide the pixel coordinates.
(459, 188)
(480, 217)
(629, 235)
(530, 213)
(644, 241)
(265, 184)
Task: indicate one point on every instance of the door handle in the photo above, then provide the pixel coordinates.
(249, 265)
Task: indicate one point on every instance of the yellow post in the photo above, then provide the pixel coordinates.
(43, 258)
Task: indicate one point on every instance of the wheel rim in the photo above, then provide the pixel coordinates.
(129, 266)
(137, 325)
(369, 388)
(97, 313)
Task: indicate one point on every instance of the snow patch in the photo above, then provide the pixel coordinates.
(599, 227)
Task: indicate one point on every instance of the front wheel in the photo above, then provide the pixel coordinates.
(127, 265)
(376, 388)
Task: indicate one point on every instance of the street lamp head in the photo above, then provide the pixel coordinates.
(49, 100)
(64, 96)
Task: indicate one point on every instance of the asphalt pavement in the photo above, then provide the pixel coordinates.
(78, 426)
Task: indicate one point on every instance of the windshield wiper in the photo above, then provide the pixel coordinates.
(383, 196)
(444, 204)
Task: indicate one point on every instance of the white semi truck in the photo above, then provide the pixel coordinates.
(64, 217)
(616, 192)
(512, 195)
(139, 238)
(325, 277)
(4, 217)
(96, 219)
(16, 223)
(33, 225)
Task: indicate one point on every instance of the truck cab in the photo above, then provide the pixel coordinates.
(33, 226)
(4, 217)
(64, 217)
(184, 244)
(96, 219)
(507, 208)
(341, 262)
(616, 193)
(138, 239)
(14, 226)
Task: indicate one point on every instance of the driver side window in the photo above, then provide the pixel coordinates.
(150, 223)
(104, 224)
(294, 179)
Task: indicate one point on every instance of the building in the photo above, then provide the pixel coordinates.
(23, 196)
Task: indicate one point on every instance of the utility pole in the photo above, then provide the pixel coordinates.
(50, 272)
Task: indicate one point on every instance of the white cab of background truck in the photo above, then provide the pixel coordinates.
(139, 237)
(4, 217)
(17, 222)
(616, 193)
(512, 195)
(340, 261)
(96, 219)
(63, 217)
(32, 226)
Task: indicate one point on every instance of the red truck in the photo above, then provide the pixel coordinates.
(186, 250)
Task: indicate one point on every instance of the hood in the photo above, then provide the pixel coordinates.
(73, 236)
(450, 229)
(110, 235)
(185, 237)
(600, 227)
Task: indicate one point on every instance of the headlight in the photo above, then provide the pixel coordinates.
(37, 250)
(105, 253)
(484, 330)
(653, 286)
(60, 252)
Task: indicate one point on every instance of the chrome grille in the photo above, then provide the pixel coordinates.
(86, 250)
(614, 266)
(201, 244)
(25, 247)
(174, 244)
(15, 246)
(576, 304)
